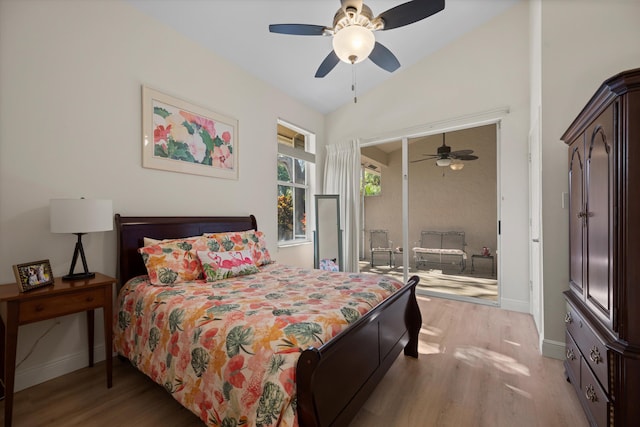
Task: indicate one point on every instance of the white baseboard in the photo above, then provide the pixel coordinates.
(553, 349)
(33, 375)
(515, 305)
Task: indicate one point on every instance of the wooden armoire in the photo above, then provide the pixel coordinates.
(603, 301)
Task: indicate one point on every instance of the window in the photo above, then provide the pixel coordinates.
(370, 184)
(295, 162)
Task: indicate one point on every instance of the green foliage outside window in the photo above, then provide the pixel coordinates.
(283, 173)
(285, 213)
(370, 185)
(293, 189)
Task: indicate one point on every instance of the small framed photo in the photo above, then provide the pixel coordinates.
(33, 275)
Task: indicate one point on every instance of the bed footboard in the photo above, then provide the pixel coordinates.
(334, 380)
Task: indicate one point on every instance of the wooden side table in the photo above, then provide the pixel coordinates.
(59, 299)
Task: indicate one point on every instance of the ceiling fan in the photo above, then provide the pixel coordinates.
(445, 157)
(352, 31)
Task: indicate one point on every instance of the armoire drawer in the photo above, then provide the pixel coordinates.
(572, 360)
(596, 355)
(595, 397)
(574, 322)
(593, 350)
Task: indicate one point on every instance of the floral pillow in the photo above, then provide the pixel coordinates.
(222, 265)
(170, 262)
(241, 240)
(264, 256)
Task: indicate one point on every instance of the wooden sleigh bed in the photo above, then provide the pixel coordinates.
(333, 380)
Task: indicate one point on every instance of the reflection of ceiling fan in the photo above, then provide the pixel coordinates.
(352, 31)
(445, 157)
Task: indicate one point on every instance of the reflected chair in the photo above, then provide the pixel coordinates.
(379, 243)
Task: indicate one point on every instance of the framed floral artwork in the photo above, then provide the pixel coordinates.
(181, 137)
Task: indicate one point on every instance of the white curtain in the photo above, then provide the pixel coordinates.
(342, 177)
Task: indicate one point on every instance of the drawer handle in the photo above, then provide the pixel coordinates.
(567, 318)
(590, 393)
(570, 354)
(594, 355)
(89, 299)
(39, 307)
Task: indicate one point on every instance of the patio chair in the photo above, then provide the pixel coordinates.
(380, 244)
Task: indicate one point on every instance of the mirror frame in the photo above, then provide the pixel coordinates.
(316, 234)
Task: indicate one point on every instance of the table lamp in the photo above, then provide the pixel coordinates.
(80, 216)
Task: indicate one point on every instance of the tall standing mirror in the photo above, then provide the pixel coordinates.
(328, 234)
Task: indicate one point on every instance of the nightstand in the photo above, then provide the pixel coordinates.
(59, 299)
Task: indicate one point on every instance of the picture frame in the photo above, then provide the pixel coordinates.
(179, 136)
(32, 275)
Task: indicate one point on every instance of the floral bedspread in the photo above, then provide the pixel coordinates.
(228, 350)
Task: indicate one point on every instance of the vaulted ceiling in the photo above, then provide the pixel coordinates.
(237, 30)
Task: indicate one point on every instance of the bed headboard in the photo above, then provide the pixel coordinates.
(132, 230)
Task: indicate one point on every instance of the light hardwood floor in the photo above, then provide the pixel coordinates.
(479, 366)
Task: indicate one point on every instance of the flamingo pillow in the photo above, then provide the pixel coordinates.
(222, 265)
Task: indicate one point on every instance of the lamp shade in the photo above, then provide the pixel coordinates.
(80, 215)
(456, 165)
(353, 44)
(443, 162)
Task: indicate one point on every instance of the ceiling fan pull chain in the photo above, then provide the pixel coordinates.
(353, 83)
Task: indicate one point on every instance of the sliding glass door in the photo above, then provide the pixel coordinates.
(449, 234)
(381, 222)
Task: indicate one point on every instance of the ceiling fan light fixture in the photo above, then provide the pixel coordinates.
(456, 165)
(353, 44)
(443, 162)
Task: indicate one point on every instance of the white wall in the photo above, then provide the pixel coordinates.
(582, 45)
(484, 70)
(70, 126)
(535, 169)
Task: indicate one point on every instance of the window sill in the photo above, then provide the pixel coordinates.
(294, 243)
